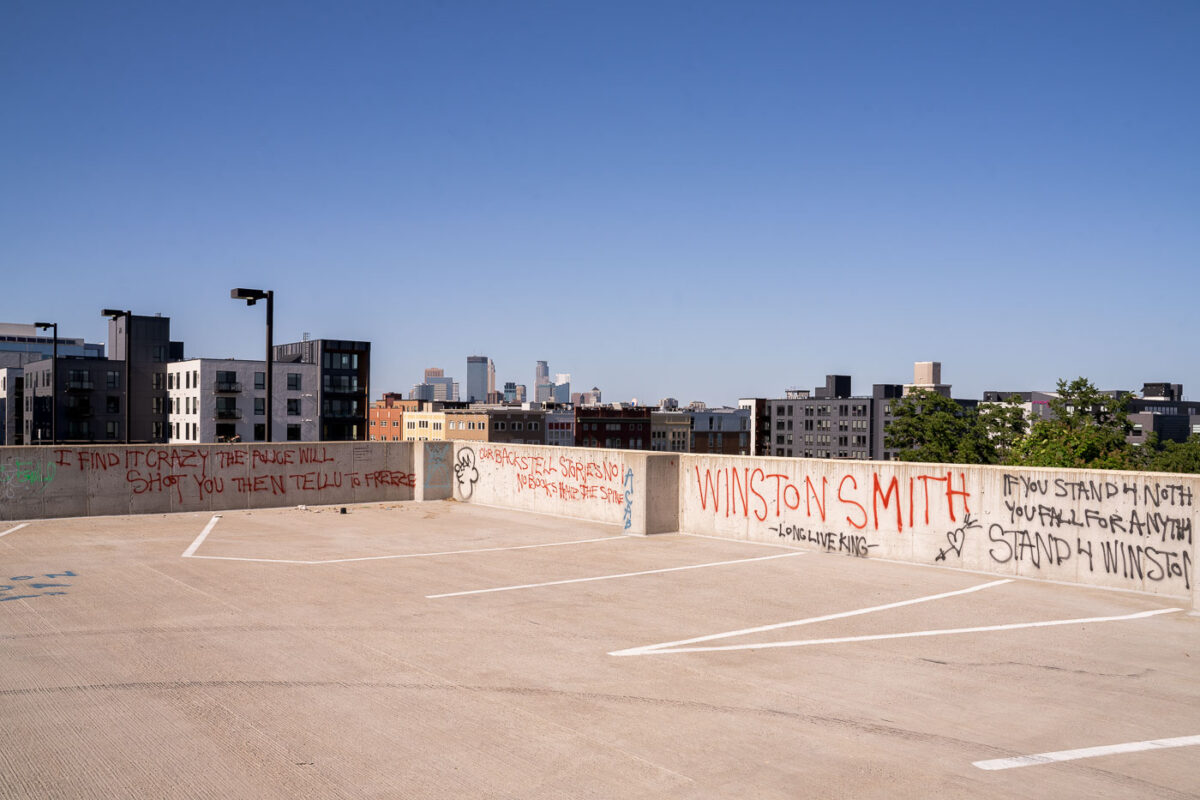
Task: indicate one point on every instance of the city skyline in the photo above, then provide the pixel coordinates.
(751, 197)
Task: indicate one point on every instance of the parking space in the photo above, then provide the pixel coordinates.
(449, 650)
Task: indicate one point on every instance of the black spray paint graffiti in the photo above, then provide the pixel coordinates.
(829, 541)
(22, 583)
(1129, 560)
(465, 473)
(437, 468)
(958, 537)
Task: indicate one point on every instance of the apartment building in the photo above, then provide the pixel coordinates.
(214, 400)
(724, 431)
(386, 423)
(616, 428)
(670, 431)
(343, 386)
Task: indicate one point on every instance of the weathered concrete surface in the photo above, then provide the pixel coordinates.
(69, 481)
(312, 675)
(1122, 530)
(631, 488)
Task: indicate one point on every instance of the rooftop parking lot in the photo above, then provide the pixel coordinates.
(447, 650)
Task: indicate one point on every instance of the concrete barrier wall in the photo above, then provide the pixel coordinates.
(38, 482)
(1121, 530)
(1116, 529)
(633, 489)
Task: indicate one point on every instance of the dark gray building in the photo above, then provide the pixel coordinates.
(828, 422)
(343, 391)
(150, 349)
(91, 401)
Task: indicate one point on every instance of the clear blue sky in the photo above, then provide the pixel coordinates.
(695, 199)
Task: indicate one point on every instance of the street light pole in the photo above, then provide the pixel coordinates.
(115, 314)
(252, 296)
(53, 381)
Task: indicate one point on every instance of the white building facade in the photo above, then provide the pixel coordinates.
(216, 400)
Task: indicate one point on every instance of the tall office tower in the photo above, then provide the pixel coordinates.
(491, 386)
(477, 379)
(541, 374)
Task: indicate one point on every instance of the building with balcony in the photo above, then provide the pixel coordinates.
(343, 385)
(90, 403)
(214, 400)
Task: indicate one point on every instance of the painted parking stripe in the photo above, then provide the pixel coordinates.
(810, 620)
(1087, 752)
(14, 530)
(199, 540)
(195, 545)
(652, 651)
(610, 577)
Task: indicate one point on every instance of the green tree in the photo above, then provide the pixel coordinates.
(1173, 456)
(1005, 424)
(929, 427)
(1086, 428)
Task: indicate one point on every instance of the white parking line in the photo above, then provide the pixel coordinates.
(610, 577)
(1086, 752)
(191, 551)
(653, 651)
(809, 621)
(14, 530)
(203, 535)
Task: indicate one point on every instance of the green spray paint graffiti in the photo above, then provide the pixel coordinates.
(18, 477)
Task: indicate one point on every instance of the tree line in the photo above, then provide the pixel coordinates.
(1085, 428)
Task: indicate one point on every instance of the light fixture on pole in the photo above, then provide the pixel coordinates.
(53, 381)
(252, 296)
(115, 314)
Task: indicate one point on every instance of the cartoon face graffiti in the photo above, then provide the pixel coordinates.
(465, 473)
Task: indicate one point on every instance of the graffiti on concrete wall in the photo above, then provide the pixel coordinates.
(1130, 527)
(196, 474)
(583, 480)
(873, 503)
(437, 466)
(1119, 529)
(628, 486)
(21, 475)
(466, 474)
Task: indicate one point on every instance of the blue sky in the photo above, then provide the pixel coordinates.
(691, 199)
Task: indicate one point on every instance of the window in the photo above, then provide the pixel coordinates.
(112, 405)
(260, 406)
(293, 406)
(293, 433)
(156, 405)
(157, 430)
(260, 380)
(260, 431)
(110, 429)
(158, 353)
(293, 381)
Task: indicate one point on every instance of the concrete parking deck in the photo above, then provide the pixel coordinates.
(441, 650)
